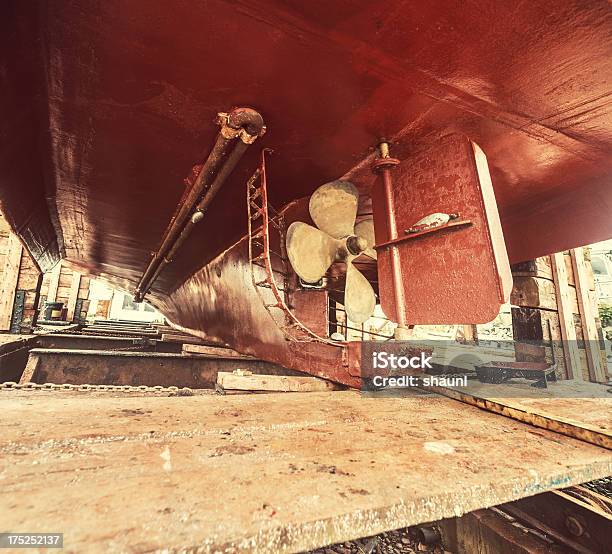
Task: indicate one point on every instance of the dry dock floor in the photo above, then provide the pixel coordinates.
(263, 473)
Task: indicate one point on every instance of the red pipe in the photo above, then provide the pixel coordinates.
(383, 166)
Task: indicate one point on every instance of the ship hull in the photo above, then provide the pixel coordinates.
(107, 107)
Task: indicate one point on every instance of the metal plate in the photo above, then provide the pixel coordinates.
(78, 311)
(288, 471)
(18, 309)
(459, 274)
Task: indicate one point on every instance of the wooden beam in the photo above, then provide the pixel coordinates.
(272, 383)
(487, 532)
(10, 276)
(30, 369)
(181, 338)
(54, 282)
(537, 292)
(571, 353)
(214, 351)
(73, 295)
(467, 334)
(580, 410)
(587, 316)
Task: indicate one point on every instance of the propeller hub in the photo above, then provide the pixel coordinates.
(356, 245)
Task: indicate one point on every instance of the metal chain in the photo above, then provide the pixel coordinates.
(132, 348)
(61, 330)
(11, 385)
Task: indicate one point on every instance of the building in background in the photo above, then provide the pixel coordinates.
(601, 260)
(20, 281)
(109, 303)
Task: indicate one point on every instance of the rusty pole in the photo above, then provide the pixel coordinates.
(241, 125)
(383, 166)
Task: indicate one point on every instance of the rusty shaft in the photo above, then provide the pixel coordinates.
(383, 166)
(244, 124)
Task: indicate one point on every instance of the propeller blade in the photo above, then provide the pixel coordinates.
(365, 229)
(310, 251)
(359, 297)
(333, 208)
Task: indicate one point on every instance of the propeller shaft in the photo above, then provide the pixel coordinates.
(356, 245)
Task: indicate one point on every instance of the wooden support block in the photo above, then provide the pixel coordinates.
(30, 369)
(54, 282)
(182, 338)
(73, 295)
(10, 276)
(26, 288)
(220, 390)
(597, 371)
(30, 281)
(533, 330)
(533, 292)
(536, 292)
(571, 353)
(590, 277)
(273, 383)
(103, 308)
(540, 267)
(467, 333)
(214, 351)
(29, 274)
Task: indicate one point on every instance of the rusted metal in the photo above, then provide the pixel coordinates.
(13, 359)
(202, 205)
(241, 123)
(500, 372)
(107, 341)
(543, 121)
(451, 274)
(128, 130)
(383, 166)
(567, 520)
(240, 300)
(292, 472)
(106, 367)
(493, 531)
(416, 234)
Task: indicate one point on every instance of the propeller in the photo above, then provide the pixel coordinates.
(312, 250)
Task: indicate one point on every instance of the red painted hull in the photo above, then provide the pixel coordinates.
(108, 105)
